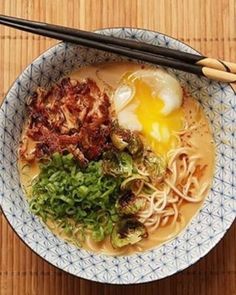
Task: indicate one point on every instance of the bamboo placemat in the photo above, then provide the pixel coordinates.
(207, 25)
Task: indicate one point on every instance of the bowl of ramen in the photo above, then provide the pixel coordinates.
(116, 170)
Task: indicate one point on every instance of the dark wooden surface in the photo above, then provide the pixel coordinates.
(207, 25)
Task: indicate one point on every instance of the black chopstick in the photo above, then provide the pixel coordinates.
(180, 55)
(124, 47)
(155, 59)
(163, 51)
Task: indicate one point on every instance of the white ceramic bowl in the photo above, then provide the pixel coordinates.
(206, 229)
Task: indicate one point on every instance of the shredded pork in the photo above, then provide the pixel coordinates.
(72, 117)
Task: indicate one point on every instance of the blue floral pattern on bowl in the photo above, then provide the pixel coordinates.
(202, 234)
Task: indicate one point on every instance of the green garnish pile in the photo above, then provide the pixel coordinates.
(78, 199)
(97, 199)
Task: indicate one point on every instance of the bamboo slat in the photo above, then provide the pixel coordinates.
(207, 25)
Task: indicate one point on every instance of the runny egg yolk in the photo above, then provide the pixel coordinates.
(158, 129)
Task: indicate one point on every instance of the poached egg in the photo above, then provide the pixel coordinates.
(149, 101)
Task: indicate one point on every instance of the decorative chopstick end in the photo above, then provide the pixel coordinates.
(218, 64)
(219, 75)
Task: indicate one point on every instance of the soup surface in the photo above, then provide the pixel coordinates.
(117, 158)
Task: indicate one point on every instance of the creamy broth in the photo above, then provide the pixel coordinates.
(107, 76)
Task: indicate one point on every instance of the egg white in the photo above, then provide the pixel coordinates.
(149, 101)
(164, 86)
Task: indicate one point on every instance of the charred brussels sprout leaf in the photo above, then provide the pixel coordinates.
(124, 139)
(117, 164)
(154, 165)
(126, 164)
(118, 141)
(129, 204)
(135, 146)
(128, 231)
(120, 137)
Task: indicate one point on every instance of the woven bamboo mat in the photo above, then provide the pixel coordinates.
(207, 25)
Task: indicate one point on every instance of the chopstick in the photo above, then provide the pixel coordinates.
(191, 63)
(168, 52)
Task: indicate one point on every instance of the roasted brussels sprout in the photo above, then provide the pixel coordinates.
(128, 231)
(117, 164)
(154, 165)
(118, 141)
(135, 146)
(125, 139)
(129, 204)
